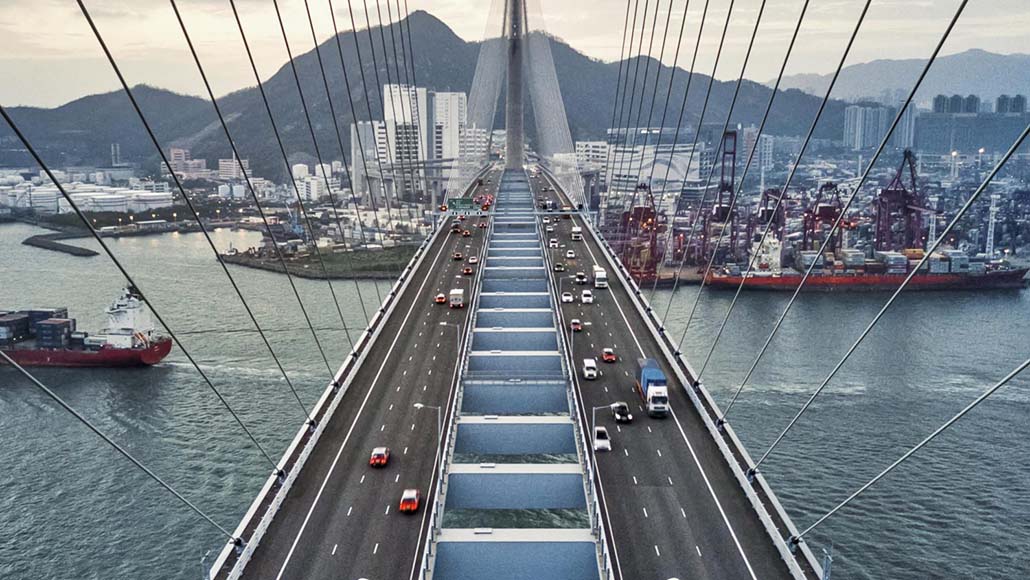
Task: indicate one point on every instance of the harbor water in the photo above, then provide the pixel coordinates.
(71, 508)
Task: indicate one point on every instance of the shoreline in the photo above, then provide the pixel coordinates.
(311, 269)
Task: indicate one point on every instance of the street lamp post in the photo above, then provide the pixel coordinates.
(439, 418)
(457, 337)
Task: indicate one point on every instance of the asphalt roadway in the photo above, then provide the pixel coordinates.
(340, 518)
(670, 503)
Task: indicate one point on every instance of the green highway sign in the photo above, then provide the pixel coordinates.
(460, 203)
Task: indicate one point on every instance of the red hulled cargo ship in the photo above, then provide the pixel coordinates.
(47, 337)
(849, 282)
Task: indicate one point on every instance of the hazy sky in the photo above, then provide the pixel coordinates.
(49, 55)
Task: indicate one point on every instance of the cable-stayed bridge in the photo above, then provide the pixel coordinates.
(485, 408)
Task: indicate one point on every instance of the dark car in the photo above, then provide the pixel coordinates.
(620, 412)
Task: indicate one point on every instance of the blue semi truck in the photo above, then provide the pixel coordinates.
(652, 388)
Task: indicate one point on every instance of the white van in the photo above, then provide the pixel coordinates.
(589, 369)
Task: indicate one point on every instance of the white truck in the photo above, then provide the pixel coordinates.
(457, 298)
(577, 233)
(600, 277)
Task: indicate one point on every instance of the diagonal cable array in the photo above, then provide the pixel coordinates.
(854, 193)
(627, 161)
(238, 542)
(620, 156)
(654, 91)
(619, 136)
(318, 152)
(615, 105)
(983, 186)
(194, 212)
(408, 60)
(734, 193)
(743, 176)
(694, 144)
(250, 186)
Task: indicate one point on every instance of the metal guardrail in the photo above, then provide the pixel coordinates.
(232, 559)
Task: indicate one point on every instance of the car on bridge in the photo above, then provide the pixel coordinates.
(473, 259)
(576, 325)
(567, 297)
(581, 278)
(467, 270)
(552, 243)
(559, 267)
(620, 412)
(481, 225)
(457, 256)
(570, 255)
(410, 501)
(607, 354)
(441, 298)
(380, 457)
(549, 229)
(602, 442)
(587, 297)
(465, 233)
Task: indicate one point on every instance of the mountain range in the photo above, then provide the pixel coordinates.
(973, 72)
(81, 132)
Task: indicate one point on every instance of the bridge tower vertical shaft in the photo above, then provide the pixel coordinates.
(513, 117)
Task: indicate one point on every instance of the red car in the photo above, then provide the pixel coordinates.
(481, 225)
(465, 233)
(461, 218)
(410, 500)
(575, 325)
(457, 256)
(467, 270)
(380, 457)
(608, 355)
(441, 298)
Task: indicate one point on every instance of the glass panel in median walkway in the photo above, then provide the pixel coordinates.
(514, 499)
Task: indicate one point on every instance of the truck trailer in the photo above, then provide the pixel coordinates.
(652, 387)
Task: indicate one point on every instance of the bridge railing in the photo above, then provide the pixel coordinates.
(232, 559)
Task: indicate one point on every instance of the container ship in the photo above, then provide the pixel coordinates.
(47, 337)
(852, 271)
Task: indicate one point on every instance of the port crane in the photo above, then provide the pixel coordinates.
(900, 209)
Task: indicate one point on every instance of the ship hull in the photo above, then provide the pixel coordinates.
(1008, 279)
(104, 357)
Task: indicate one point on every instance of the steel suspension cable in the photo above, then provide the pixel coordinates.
(743, 177)
(620, 158)
(368, 103)
(318, 154)
(690, 158)
(611, 125)
(414, 81)
(628, 166)
(621, 134)
(193, 210)
(238, 542)
(421, 154)
(253, 192)
(393, 104)
(711, 172)
(894, 296)
(132, 282)
(679, 124)
(851, 198)
(343, 153)
(794, 540)
(400, 85)
(657, 79)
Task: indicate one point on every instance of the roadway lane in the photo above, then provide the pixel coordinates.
(340, 519)
(672, 504)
